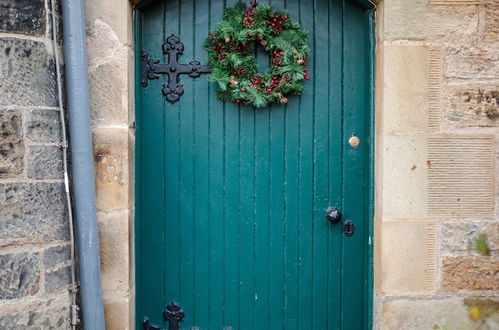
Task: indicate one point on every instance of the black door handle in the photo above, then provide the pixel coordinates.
(333, 214)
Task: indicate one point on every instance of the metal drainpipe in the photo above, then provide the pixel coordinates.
(87, 234)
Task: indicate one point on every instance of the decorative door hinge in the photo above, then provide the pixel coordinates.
(172, 314)
(151, 68)
(146, 325)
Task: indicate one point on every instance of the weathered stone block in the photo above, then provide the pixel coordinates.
(111, 159)
(448, 313)
(461, 176)
(57, 279)
(114, 244)
(470, 273)
(48, 311)
(458, 237)
(22, 16)
(32, 213)
(12, 321)
(11, 144)
(56, 255)
(53, 313)
(404, 178)
(472, 105)
(472, 59)
(43, 126)
(116, 311)
(45, 162)
(415, 19)
(19, 275)
(455, 2)
(491, 22)
(108, 84)
(408, 264)
(27, 73)
(115, 14)
(405, 89)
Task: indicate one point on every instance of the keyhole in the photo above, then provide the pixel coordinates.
(348, 228)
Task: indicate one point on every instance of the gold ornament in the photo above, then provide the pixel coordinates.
(227, 38)
(264, 42)
(283, 100)
(300, 61)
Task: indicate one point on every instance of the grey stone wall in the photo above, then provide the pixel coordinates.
(34, 230)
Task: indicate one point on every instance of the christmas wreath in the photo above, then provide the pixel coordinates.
(231, 50)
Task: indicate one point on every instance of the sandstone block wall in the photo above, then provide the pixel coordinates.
(34, 230)
(437, 150)
(110, 60)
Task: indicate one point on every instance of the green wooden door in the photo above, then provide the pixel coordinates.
(231, 201)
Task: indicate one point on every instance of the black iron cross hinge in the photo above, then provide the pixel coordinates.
(173, 314)
(151, 68)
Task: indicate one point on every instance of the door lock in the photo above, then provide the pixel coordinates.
(348, 228)
(333, 214)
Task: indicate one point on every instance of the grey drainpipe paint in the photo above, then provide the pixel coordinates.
(87, 234)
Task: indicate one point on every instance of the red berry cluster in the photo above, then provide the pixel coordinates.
(276, 60)
(305, 74)
(256, 83)
(217, 47)
(249, 10)
(276, 80)
(277, 20)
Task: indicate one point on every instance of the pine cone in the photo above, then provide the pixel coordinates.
(233, 45)
(248, 22)
(286, 77)
(222, 56)
(256, 78)
(277, 29)
(240, 71)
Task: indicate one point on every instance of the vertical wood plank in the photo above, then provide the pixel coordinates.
(201, 126)
(217, 193)
(355, 96)
(320, 226)
(291, 200)
(232, 206)
(335, 159)
(306, 168)
(277, 210)
(188, 220)
(173, 252)
(153, 186)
